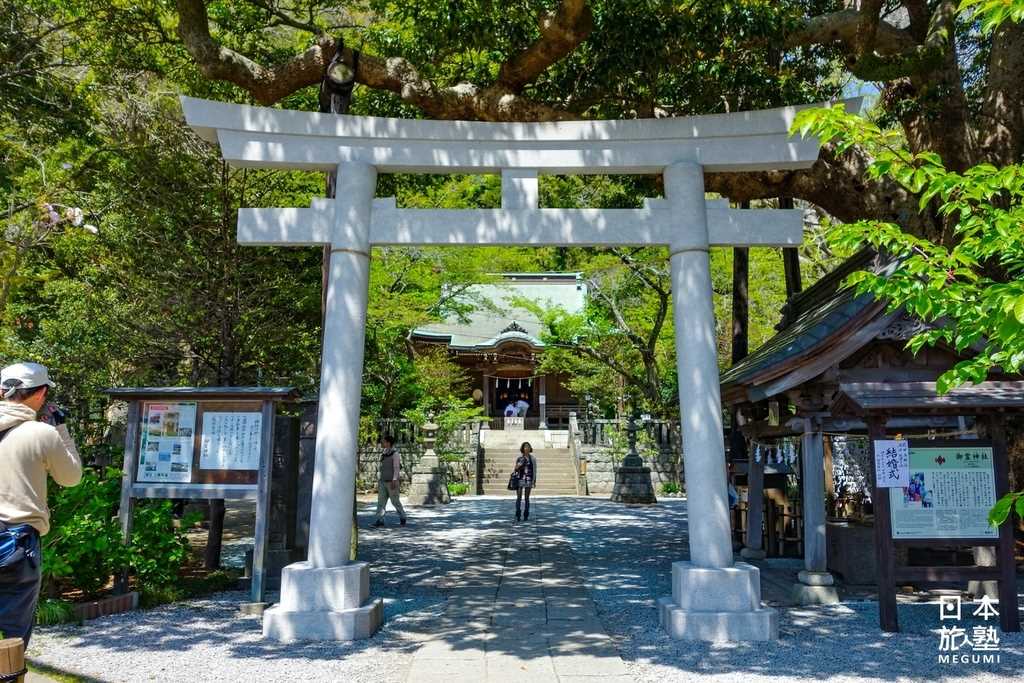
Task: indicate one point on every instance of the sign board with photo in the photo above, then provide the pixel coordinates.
(948, 494)
(168, 435)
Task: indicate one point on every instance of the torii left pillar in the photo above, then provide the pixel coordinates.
(713, 598)
(327, 596)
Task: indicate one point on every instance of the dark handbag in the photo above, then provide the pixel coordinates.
(513, 481)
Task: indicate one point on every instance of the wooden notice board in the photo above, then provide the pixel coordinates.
(951, 487)
(205, 443)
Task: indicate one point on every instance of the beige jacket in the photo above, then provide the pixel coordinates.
(27, 452)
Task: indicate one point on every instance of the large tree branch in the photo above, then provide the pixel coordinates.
(560, 32)
(879, 51)
(847, 27)
(267, 85)
(461, 101)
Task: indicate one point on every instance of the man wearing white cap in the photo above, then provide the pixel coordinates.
(33, 442)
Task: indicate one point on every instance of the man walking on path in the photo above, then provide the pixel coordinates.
(33, 442)
(390, 476)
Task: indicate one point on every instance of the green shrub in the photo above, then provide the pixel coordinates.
(51, 611)
(84, 545)
(669, 488)
(84, 548)
(458, 489)
(158, 549)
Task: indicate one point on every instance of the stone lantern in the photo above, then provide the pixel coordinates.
(429, 480)
(632, 478)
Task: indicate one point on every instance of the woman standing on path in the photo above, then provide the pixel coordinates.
(526, 471)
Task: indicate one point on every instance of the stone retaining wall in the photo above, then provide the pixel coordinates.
(665, 467)
(369, 462)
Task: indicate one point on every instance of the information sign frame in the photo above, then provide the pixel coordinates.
(210, 484)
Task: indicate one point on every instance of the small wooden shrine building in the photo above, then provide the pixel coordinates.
(837, 372)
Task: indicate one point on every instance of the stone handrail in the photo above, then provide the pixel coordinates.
(574, 449)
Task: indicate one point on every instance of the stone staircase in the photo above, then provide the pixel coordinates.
(556, 473)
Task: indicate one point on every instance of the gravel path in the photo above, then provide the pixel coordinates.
(623, 555)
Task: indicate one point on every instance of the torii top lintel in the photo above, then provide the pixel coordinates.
(277, 138)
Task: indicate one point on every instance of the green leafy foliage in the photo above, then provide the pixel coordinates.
(992, 13)
(1011, 502)
(84, 547)
(669, 488)
(970, 290)
(458, 489)
(51, 611)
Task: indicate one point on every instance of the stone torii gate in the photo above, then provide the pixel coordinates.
(327, 597)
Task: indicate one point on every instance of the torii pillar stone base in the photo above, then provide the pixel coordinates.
(717, 604)
(330, 603)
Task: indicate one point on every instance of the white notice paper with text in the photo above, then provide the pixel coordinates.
(230, 441)
(892, 464)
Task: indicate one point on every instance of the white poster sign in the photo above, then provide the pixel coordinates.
(230, 441)
(166, 448)
(892, 464)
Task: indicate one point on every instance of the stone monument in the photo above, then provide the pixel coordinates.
(632, 479)
(429, 478)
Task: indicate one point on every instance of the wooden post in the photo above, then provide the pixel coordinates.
(888, 617)
(1009, 614)
(215, 534)
(257, 587)
(813, 511)
(830, 482)
(753, 544)
(791, 260)
(127, 507)
(12, 658)
(487, 395)
(740, 302)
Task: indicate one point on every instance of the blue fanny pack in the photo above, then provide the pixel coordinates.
(17, 543)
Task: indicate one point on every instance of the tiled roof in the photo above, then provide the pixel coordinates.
(814, 327)
(497, 318)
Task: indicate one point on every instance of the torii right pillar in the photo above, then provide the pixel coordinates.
(713, 598)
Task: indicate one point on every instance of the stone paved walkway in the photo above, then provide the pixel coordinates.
(517, 610)
(470, 596)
